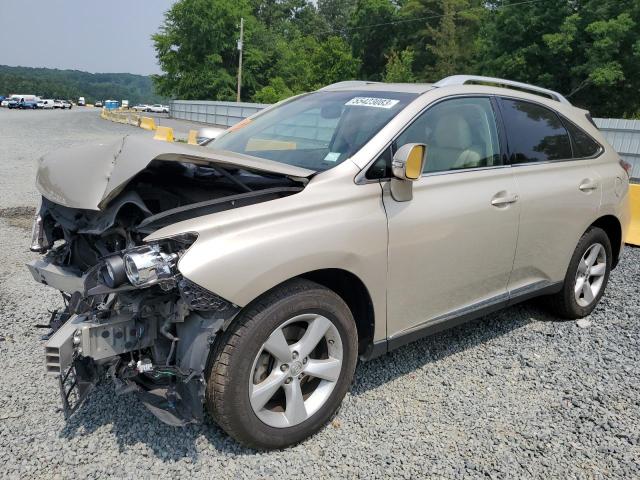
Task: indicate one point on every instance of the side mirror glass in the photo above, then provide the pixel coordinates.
(408, 162)
(407, 166)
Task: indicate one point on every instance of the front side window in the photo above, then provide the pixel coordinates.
(459, 133)
(534, 133)
(316, 131)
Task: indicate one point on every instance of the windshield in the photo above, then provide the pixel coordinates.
(316, 131)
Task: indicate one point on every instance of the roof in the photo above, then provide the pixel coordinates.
(364, 85)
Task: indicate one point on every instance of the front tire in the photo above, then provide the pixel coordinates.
(281, 370)
(587, 276)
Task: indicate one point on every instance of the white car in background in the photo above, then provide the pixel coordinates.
(141, 107)
(157, 108)
(46, 104)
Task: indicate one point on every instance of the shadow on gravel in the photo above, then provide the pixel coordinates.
(132, 424)
(406, 359)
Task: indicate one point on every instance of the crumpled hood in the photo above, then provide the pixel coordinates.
(88, 177)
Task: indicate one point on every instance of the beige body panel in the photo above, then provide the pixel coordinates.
(449, 247)
(554, 213)
(332, 223)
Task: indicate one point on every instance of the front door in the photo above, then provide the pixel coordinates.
(451, 247)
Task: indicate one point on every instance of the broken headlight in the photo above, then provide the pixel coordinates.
(149, 265)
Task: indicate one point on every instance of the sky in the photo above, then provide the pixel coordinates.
(106, 36)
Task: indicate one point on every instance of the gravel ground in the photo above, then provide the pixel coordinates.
(516, 394)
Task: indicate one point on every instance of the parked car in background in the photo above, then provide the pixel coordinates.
(141, 107)
(249, 275)
(46, 104)
(57, 103)
(81, 102)
(31, 104)
(157, 108)
(23, 101)
(67, 104)
(98, 103)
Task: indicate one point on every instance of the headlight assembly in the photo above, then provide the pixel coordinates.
(148, 265)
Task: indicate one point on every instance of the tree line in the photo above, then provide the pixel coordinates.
(586, 49)
(71, 84)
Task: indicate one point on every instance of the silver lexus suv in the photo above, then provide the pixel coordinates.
(246, 277)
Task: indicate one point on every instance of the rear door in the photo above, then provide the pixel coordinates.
(559, 195)
(451, 247)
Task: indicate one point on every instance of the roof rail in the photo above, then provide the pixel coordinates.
(501, 82)
(347, 84)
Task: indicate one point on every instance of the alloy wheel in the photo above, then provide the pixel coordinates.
(295, 370)
(590, 275)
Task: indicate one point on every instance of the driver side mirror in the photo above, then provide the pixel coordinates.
(407, 166)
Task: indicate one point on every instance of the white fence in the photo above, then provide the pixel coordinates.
(624, 137)
(223, 114)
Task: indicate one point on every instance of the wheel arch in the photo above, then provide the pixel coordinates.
(612, 227)
(355, 294)
(351, 289)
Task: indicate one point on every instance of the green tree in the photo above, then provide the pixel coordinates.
(442, 34)
(196, 48)
(274, 92)
(588, 50)
(372, 35)
(399, 66)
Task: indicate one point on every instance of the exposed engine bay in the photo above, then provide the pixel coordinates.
(128, 312)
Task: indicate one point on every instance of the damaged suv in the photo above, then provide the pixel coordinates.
(247, 276)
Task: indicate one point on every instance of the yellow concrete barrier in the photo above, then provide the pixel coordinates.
(193, 137)
(147, 123)
(633, 233)
(163, 133)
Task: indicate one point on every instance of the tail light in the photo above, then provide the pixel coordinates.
(626, 166)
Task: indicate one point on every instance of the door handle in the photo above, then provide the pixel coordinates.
(588, 185)
(503, 198)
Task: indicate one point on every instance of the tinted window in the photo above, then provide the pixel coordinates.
(459, 133)
(535, 133)
(583, 145)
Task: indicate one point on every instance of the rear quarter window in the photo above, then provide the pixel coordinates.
(535, 133)
(583, 145)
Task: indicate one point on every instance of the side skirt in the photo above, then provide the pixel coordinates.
(461, 316)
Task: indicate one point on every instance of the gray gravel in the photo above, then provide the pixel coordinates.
(516, 394)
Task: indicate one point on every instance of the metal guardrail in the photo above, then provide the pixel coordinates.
(223, 114)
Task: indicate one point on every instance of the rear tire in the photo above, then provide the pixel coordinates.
(586, 278)
(268, 400)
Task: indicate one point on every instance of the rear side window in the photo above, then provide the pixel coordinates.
(583, 145)
(535, 133)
